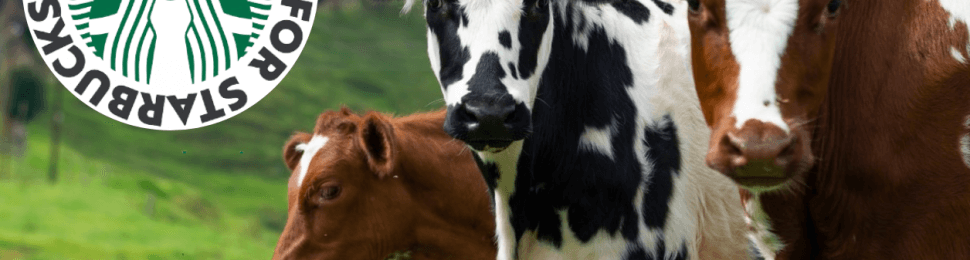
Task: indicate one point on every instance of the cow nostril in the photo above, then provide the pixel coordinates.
(787, 153)
(475, 113)
(464, 114)
(510, 117)
(733, 150)
(734, 144)
(473, 117)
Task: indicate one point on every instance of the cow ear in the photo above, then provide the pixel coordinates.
(377, 140)
(293, 150)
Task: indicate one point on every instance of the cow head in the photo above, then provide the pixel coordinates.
(344, 200)
(762, 69)
(488, 57)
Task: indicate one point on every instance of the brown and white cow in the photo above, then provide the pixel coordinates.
(847, 120)
(365, 187)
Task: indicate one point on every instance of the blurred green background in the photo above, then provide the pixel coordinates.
(121, 192)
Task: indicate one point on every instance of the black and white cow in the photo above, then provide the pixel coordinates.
(586, 126)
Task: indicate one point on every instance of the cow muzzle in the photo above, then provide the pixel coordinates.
(489, 122)
(759, 155)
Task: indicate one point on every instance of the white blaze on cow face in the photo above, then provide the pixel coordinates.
(759, 32)
(486, 19)
(309, 151)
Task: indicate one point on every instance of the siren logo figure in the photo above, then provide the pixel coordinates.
(170, 64)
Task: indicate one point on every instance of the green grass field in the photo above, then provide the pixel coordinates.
(211, 193)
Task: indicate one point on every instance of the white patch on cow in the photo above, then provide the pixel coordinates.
(759, 36)
(506, 162)
(959, 11)
(965, 143)
(957, 55)
(965, 149)
(309, 151)
(601, 246)
(434, 57)
(545, 50)
(598, 139)
(531, 248)
(682, 217)
(503, 226)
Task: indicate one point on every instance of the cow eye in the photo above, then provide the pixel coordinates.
(540, 4)
(694, 5)
(834, 6)
(536, 9)
(435, 4)
(329, 192)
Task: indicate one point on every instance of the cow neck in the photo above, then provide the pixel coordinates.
(437, 148)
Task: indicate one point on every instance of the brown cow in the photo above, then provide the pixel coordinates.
(365, 187)
(857, 110)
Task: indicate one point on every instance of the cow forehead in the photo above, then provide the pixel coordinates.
(310, 150)
(759, 33)
(488, 15)
(489, 28)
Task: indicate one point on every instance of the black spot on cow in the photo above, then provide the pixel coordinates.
(554, 173)
(664, 153)
(531, 31)
(633, 9)
(505, 38)
(489, 171)
(638, 254)
(631, 227)
(666, 7)
(515, 74)
(525, 203)
(443, 22)
(488, 76)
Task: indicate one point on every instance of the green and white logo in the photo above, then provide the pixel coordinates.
(170, 64)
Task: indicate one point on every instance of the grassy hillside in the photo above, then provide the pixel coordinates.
(211, 193)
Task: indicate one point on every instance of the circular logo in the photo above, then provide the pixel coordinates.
(170, 64)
